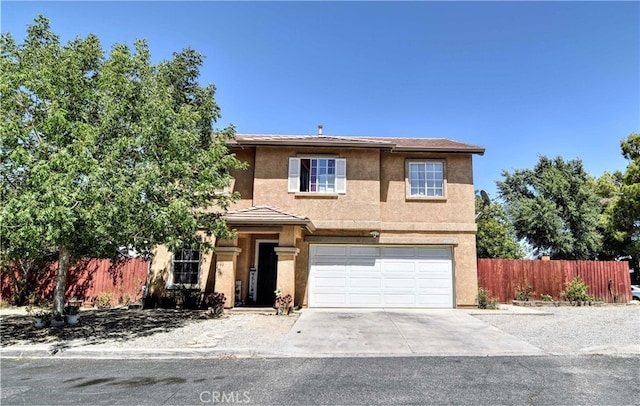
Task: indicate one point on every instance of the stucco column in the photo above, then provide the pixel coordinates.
(226, 258)
(286, 278)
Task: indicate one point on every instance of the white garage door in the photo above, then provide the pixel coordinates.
(380, 276)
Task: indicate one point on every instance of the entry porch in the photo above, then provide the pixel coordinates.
(262, 258)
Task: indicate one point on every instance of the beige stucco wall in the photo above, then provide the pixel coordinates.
(376, 189)
(456, 207)
(243, 179)
(465, 271)
(159, 271)
(360, 203)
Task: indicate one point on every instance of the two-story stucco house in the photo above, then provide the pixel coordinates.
(342, 222)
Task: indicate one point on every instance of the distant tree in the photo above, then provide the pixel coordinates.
(554, 207)
(608, 187)
(621, 216)
(103, 152)
(496, 237)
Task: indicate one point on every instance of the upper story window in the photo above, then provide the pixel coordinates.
(186, 266)
(425, 178)
(317, 175)
(226, 189)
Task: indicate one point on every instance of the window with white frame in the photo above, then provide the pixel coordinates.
(226, 189)
(317, 175)
(186, 266)
(426, 178)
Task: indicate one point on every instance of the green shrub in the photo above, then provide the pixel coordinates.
(576, 292)
(546, 298)
(485, 301)
(523, 294)
(103, 300)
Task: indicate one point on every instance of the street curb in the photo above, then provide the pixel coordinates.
(131, 354)
(240, 353)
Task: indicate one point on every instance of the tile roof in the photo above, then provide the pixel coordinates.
(387, 143)
(266, 215)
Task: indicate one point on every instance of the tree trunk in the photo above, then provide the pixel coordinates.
(61, 278)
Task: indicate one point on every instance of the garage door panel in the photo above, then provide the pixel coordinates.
(434, 275)
(370, 252)
(435, 291)
(330, 300)
(330, 266)
(365, 299)
(433, 253)
(398, 252)
(331, 250)
(399, 299)
(331, 282)
(399, 266)
(434, 266)
(404, 283)
(360, 283)
(362, 266)
(435, 300)
(399, 275)
(434, 283)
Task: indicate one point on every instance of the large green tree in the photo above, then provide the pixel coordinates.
(103, 151)
(554, 207)
(496, 237)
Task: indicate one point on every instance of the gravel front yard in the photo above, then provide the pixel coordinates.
(609, 329)
(574, 330)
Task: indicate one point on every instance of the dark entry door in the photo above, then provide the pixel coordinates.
(267, 272)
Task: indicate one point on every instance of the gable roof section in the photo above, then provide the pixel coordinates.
(266, 216)
(386, 143)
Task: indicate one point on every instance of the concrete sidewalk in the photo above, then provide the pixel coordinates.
(309, 333)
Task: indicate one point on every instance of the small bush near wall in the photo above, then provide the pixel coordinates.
(485, 301)
(523, 294)
(103, 300)
(576, 292)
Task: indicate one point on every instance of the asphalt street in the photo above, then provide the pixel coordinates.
(516, 380)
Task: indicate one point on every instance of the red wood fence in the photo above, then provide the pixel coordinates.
(607, 280)
(123, 280)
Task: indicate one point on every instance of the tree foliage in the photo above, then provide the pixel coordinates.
(621, 216)
(495, 237)
(100, 152)
(624, 211)
(554, 207)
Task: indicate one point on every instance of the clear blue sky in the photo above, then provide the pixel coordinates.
(520, 79)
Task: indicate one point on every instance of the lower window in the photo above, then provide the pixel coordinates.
(186, 267)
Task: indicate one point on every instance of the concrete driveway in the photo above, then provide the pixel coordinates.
(385, 332)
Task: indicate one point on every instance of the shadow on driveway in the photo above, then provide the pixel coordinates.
(96, 326)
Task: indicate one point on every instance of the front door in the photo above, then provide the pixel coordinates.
(267, 273)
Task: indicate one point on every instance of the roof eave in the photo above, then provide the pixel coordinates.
(310, 143)
(479, 151)
(248, 222)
